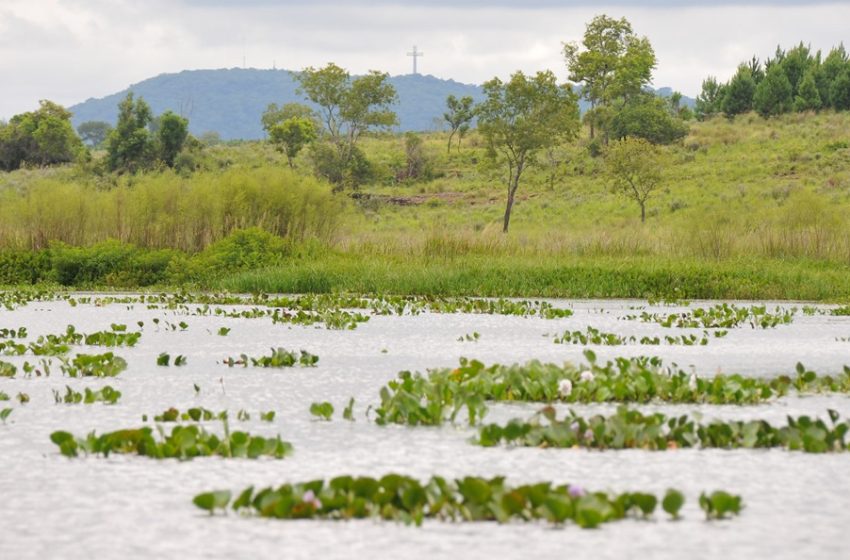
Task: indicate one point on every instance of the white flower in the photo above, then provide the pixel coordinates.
(586, 375)
(565, 387)
(692, 382)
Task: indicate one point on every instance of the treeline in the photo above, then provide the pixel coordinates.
(138, 142)
(795, 80)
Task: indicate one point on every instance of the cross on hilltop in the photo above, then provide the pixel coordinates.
(415, 54)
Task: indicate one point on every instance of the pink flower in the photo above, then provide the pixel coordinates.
(576, 491)
(586, 375)
(309, 497)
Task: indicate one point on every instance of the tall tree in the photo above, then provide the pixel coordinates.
(634, 169)
(460, 113)
(348, 108)
(523, 116)
(710, 98)
(774, 94)
(172, 132)
(808, 96)
(614, 63)
(274, 115)
(739, 93)
(130, 146)
(41, 137)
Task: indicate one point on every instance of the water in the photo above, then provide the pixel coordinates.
(134, 507)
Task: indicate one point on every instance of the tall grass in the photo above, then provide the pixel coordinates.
(165, 210)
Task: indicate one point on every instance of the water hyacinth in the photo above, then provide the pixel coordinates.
(565, 388)
(395, 497)
(586, 375)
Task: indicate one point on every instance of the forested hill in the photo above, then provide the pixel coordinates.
(230, 101)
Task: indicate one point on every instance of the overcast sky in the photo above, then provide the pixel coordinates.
(70, 50)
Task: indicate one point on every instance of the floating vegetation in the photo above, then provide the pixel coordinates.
(403, 499)
(20, 332)
(4, 414)
(469, 337)
(277, 359)
(106, 395)
(596, 337)
(631, 429)
(442, 394)
(348, 411)
(7, 369)
(183, 442)
(4, 396)
(200, 414)
(94, 365)
(223, 331)
(322, 410)
(720, 505)
(164, 359)
(720, 316)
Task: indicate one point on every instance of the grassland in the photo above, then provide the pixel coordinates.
(750, 208)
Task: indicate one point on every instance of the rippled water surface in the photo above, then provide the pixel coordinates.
(797, 505)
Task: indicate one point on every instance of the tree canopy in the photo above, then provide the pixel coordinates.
(41, 137)
(522, 116)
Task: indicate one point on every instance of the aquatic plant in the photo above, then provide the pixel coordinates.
(93, 365)
(596, 337)
(322, 410)
(631, 429)
(722, 315)
(183, 442)
(442, 394)
(106, 395)
(400, 498)
(278, 358)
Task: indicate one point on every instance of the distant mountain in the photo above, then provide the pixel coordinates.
(230, 101)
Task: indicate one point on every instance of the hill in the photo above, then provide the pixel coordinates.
(230, 101)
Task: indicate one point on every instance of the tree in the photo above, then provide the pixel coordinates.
(774, 95)
(460, 113)
(348, 108)
(172, 132)
(94, 133)
(130, 146)
(274, 115)
(710, 98)
(291, 135)
(520, 117)
(633, 167)
(833, 66)
(839, 92)
(739, 93)
(808, 97)
(41, 137)
(650, 118)
(614, 64)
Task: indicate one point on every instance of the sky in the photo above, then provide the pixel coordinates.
(71, 50)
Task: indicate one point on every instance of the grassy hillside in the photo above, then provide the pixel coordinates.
(749, 208)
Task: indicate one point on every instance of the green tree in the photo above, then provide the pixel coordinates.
(41, 137)
(460, 113)
(130, 146)
(650, 118)
(739, 93)
(292, 135)
(172, 132)
(274, 115)
(710, 98)
(833, 66)
(94, 133)
(634, 170)
(520, 117)
(808, 96)
(774, 94)
(839, 91)
(348, 108)
(613, 64)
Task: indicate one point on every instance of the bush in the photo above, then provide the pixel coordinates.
(23, 267)
(109, 263)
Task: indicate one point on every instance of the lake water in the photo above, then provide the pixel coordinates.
(797, 504)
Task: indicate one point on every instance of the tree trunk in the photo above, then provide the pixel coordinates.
(449, 148)
(642, 213)
(508, 207)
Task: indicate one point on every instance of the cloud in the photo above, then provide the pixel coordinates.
(69, 50)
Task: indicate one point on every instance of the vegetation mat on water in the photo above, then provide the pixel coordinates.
(400, 498)
(442, 394)
(631, 429)
(183, 442)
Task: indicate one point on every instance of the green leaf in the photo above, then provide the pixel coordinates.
(209, 501)
(673, 502)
